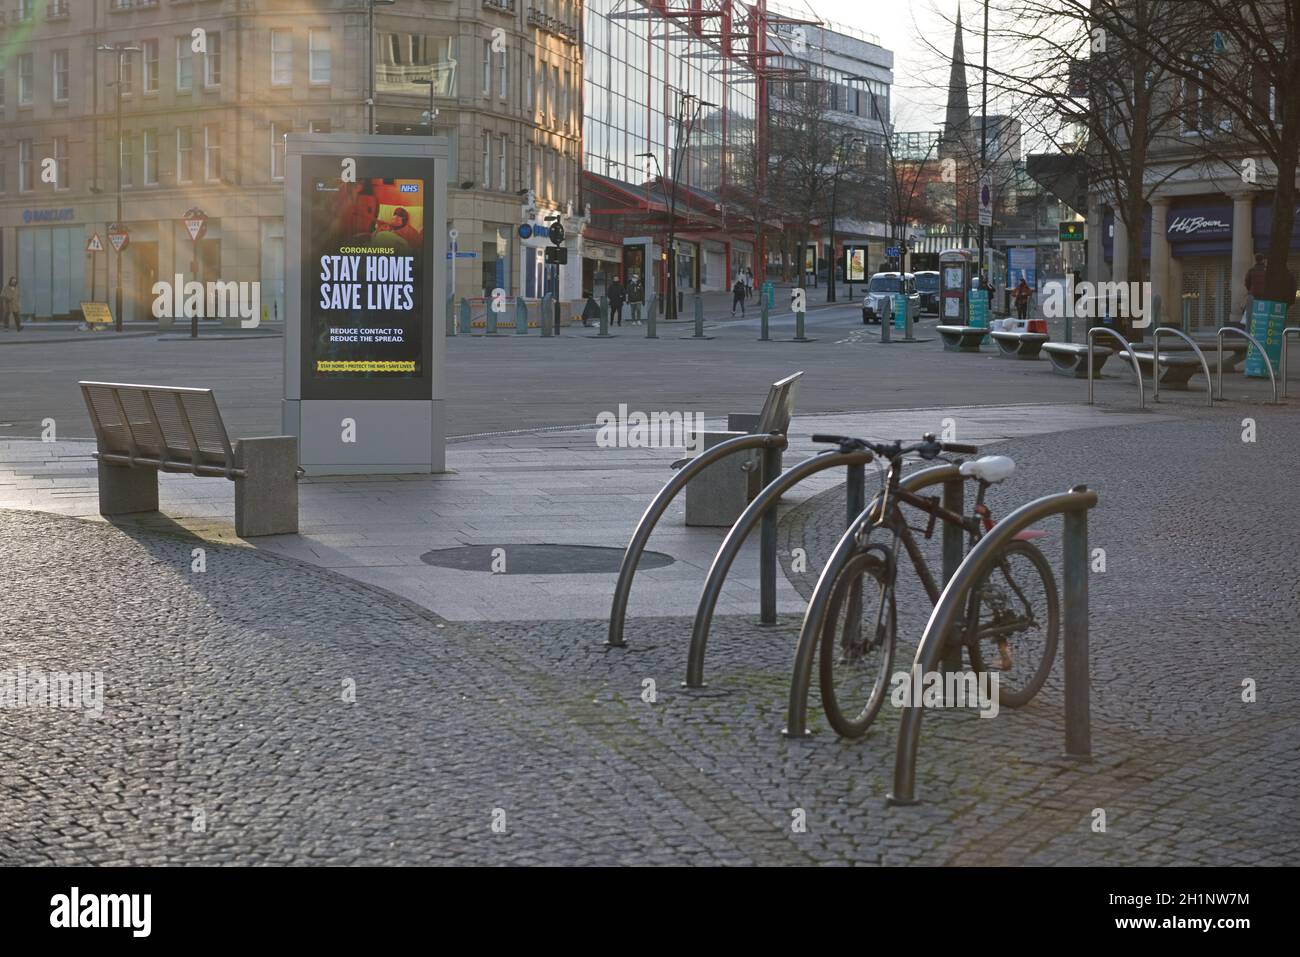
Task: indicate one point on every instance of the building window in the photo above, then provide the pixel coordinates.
(503, 74)
(503, 148)
(184, 154)
(126, 157)
(318, 56)
(555, 92)
(60, 162)
(24, 166)
(487, 67)
(150, 66)
(151, 157)
(212, 153)
(184, 64)
(128, 77)
(530, 168)
(60, 62)
(318, 126)
(278, 132)
(281, 58)
(24, 80)
(212, 60)
(529, 68)
(487, 160)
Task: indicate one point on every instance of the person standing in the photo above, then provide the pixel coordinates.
(9, 302)
(1254, 288)
(617, 296)
(749, 283)
(738, 296)
(1022, 294)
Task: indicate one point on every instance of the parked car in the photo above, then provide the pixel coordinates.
(927, 284)
(881, 287)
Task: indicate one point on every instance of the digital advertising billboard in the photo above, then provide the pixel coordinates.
(366, 282)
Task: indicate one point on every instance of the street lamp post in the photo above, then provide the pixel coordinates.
(121, 50)
(835, 188)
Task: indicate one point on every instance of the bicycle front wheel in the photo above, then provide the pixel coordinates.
(857, 646)
(1015, 614)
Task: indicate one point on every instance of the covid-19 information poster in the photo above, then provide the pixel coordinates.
(365, 275)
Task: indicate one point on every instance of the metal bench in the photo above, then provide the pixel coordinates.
(142, 430)
(1176, 368)
(1234, 353)
(1071, 358)
(1019, 345)
(962, 338)
(720, 493)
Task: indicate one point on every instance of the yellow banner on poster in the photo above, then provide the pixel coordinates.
(97, 314)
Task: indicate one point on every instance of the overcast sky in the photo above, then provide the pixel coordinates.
(913, 29)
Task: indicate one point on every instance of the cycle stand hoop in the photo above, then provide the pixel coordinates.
(1137, 369)
(1074, 506)
(1268, 363)
(1205, 367)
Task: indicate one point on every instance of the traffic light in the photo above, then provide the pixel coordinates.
(556, 233)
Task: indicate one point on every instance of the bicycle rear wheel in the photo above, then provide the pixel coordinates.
(857, 645)
(1016, 616)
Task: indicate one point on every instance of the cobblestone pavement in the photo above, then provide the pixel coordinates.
(226, 736)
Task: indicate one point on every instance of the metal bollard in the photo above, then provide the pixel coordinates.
(556, 308)
(886, 320)
(1069, 327)
(521, 316)
(465, 328)
(651, 316)
(699, 317)
(604, 318)
(491, 320)
(545, 322)
(763, 330)
(798, 327)
(451, 315)
(771, 470)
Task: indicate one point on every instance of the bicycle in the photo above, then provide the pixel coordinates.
(1012, 620)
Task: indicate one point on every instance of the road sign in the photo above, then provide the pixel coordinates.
(986, 201)
(891, 252)
(96, 314)
(1071, 232)
(558, 256)
(556, 232)
(118, 237)
(196, 223)
(94, 244)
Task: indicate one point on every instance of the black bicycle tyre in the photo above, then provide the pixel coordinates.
(1012, 697)
(867, 567)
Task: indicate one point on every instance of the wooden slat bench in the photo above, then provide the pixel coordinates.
(1071, 358)
(1019, 345)
(142, 430)
(962, 338)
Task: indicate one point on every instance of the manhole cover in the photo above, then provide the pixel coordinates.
(538, 559)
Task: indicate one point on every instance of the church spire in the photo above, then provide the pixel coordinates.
(956, 123)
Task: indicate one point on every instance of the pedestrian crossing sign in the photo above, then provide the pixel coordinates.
(94, 244)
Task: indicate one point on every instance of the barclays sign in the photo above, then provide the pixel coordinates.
(64, 215)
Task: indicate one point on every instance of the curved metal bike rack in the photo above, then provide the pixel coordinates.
(1255, 342)
(769, 441)
(1137, 369)
(1205, 366)
(1074, 505)
(1288, 331)
(815, 617)
(736, 537)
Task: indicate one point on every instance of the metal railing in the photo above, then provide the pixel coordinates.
(1205, 366)
(1137, 369)
(1074, 506)
(1255, 342)
(759, 508)
(814, 618)
(1288, 331)
(772, 444)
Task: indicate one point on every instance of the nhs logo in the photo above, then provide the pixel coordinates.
(409, 188)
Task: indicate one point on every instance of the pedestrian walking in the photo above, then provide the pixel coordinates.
(1022, 294)
(9, 301)
(738, 296)
(617, 295)
(749, 283)
(1254, 288)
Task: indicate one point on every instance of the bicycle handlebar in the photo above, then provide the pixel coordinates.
(927, 447)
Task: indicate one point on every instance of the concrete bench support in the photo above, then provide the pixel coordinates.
(1019, 345)
(962, 338)
(1071, 358)
(716, 497)
(266, 496)
(1176, 369)
(124, 490)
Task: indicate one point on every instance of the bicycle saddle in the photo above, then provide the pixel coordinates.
(989, 468)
